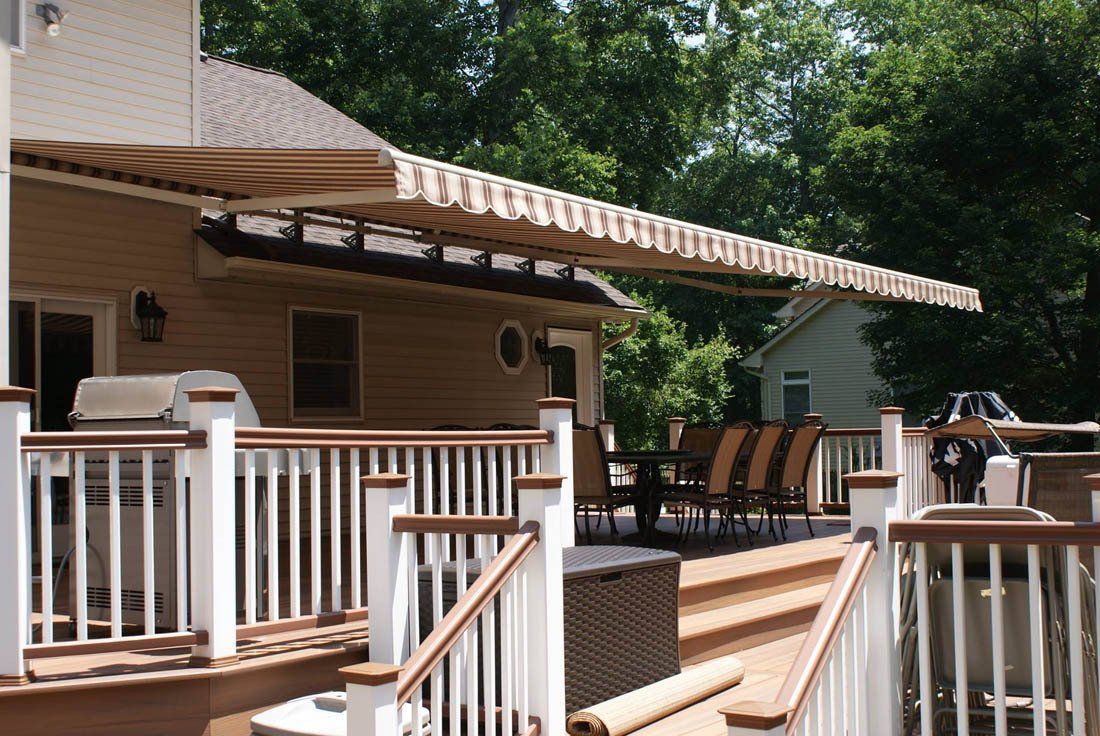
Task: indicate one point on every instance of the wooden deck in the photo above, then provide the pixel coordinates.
(757, 601)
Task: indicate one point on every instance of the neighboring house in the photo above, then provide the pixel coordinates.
(817, 363)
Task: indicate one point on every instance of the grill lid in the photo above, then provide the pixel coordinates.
(148, 398)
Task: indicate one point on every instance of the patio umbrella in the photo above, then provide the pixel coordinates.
(958, 461)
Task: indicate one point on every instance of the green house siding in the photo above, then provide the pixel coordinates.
(827, 345)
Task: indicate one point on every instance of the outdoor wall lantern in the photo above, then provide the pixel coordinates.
(146, 315)
(52, 16)
(543, 351)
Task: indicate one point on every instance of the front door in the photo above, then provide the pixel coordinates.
(53, 344)
(571, 370)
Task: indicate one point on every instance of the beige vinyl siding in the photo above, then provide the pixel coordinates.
(423, 364)
(122, 71)
(827, 345)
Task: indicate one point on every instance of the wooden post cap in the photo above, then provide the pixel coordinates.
(1093, 481)
(371, 673)
(813, 416)
(891, 410)
(211, 393)
(872, 479)
(677, 420)
(555, 402)
(607, 421)
(538, 481)
(756, 715)
(385, 480)
(18, 394)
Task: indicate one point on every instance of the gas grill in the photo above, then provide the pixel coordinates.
(141, 403)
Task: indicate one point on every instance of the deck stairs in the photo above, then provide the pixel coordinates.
(758, 604)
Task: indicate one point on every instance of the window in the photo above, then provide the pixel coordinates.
(796, 396)
(325, 376)
(17, 24)
(510, 345)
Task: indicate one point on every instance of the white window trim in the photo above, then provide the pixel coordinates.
(784, 382)
(20, 48)
(296, 417)
(525, 350)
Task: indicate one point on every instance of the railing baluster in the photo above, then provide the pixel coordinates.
(355, 512)
(179, 477)
(445, 495)
(294, 506)
(524, 673)
(924, 642)
(80, 514)
(45, 544)
(438, 679)
(148, 548)
(335, 526)
(958, 604)
(1074, 641)
(249, 536)
(315, 604)
(507, 661)
(1000, 714)
(114, 553)
(1038, 640)
(273, 538)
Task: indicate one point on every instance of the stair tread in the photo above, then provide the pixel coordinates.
(724, 569)
(705, 622)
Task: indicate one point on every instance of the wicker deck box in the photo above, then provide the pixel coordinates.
(621, 622)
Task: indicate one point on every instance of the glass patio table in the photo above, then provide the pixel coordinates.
(648, 465)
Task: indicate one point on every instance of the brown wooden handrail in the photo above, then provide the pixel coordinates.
(871, 431)
(116, 644)
(828, 625)
(161, 439)
(293, 438)
(465, 612)
(1083, 534)
(455, 524)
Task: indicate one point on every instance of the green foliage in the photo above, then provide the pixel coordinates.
(659, 373)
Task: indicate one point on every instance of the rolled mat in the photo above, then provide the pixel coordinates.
(631, 711)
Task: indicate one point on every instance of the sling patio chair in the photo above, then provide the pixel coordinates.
(795, 470)
(713, 492)
(592, 489)
(759, 488)
(701, 438)
(980, 674)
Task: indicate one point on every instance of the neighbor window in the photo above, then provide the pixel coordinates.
(324, 347)
(796, 396)
(17, 24)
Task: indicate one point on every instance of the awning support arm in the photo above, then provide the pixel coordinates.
(747, 291)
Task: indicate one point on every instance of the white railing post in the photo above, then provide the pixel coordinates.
(387, 496)
(874, 504)
(753, 718)
(675, 429)
(541, 500)
(15, 420)
(213, 526)
(813, 479)
(372, 699)
(890, 418)
(607, 432)
(556, 458)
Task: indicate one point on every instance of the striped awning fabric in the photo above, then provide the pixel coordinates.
(452, 204)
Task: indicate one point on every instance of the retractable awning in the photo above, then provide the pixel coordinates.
(452, 205)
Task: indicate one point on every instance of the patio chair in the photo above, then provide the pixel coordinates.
(713, 492)
(1054, 482)
(796, 462)
(1016, 633)
(592, 489)
(702, 438)
(760, 482)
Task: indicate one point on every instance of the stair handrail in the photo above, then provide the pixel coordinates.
(466, 611)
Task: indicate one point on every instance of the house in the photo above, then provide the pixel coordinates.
(417, 341)
(816, 363)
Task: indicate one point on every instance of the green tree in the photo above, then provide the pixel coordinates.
(658, 374)
(972, 153)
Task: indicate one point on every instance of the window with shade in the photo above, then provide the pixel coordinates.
(796, 396)
(17, 24)
(325, 364)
